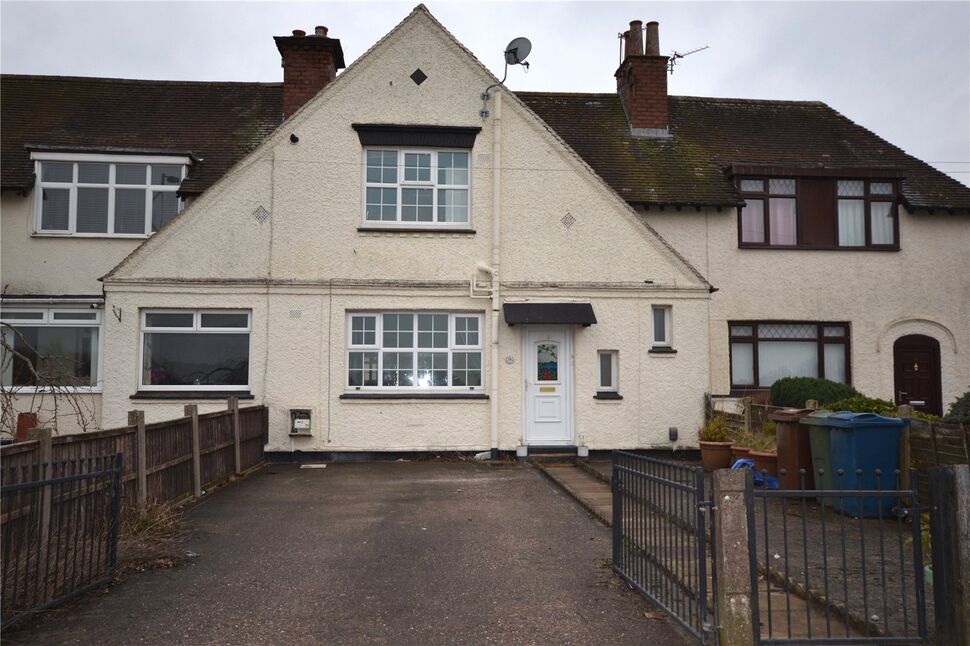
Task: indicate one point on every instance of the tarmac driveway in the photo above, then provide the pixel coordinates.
(378, 553)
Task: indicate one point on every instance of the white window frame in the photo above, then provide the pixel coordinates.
(398, 223)
(614, 371)
(668, 340)
(76, 158)
(48, 320)
(378, 347)
(196, 328)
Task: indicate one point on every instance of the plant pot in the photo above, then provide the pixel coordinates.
(739, 453)
(715, 455)
(765, 461)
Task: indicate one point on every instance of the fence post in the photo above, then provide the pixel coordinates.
(236, 432)
(44, 455)
(736, 604)
(192, 410)
(905, 411)
(136, 418)
(950, 541)
(746, 402)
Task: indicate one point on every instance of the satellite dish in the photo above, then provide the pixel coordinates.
(517, 51)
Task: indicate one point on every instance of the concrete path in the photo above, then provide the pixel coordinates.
(385, 553)
(790, 615)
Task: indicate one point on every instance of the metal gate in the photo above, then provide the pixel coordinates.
(59, 532)
(660, 537)
(842, 564)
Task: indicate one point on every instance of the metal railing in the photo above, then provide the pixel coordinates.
(839, 565)
(660, 536)
(59, 532)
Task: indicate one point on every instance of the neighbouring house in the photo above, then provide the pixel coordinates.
(389, 270)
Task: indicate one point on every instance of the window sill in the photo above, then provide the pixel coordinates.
(816, 247)
(90, 236)
(451, 231)
(659, 349)
(192, 394)
(608, 395)
(429, 396)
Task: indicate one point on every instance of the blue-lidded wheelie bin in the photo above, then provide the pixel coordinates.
(865, 441)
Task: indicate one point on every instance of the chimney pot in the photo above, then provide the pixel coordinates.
(634, 39)
(299, 32)
(653, 38)
(321, 31)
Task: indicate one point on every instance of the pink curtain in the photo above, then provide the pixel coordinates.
(782, 220)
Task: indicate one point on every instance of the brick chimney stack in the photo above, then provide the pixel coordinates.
(309, 64)
(641, 82)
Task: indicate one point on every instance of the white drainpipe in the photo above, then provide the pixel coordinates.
(496, 259)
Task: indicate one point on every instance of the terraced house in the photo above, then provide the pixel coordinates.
(389, 266)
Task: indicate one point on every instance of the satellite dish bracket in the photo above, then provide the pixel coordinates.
(512, 57)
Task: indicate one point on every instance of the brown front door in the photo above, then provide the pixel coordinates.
(917, 367)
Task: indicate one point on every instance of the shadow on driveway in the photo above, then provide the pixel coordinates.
(378, 553)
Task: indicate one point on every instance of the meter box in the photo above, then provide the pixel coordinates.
(300, 421)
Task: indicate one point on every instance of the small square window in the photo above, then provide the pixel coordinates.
(753, 185)
(881, 188)
(781, 186)
(851, 188)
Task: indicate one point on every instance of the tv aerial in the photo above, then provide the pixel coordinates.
(675, 55)
(515, 54)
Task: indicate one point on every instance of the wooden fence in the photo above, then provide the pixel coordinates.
(163, 462)
(742, 414)
(933, 444)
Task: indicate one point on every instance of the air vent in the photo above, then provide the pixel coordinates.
(261, 214)
(483, 158)
(568, 220)
(296, 314)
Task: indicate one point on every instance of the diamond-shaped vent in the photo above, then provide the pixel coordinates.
(261, 215)
(296, 314)
(418, 76)
(568, 220)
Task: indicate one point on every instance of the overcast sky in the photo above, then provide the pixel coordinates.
(901, 69)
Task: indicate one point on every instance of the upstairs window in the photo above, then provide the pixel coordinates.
(416, 188)
(867, 215)
(818, 213)
(770, 212)
(105, 195)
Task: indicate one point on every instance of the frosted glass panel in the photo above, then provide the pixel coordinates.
(881, 188)
(753, 185)
(782, 220)
(781, 186)
(753, 221)
(786, 359)
(883, 231)
(742, 364)
(835, 362)
(852, 226)
(851, 188)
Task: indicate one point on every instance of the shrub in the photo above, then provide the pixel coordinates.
(715, 430)
(959, 412)
(795, 391)
(863, 404)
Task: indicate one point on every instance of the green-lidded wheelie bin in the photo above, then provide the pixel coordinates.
(821, 447)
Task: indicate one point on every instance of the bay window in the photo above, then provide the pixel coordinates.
(46, 348)
(195, 349)
(763, 352)
(419, 187)
(414, 350)
(106, 195)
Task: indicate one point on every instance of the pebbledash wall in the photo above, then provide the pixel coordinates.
(51, 264)
(924, 288)
(304, 267)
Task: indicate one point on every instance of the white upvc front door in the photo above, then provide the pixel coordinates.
(548, 386)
